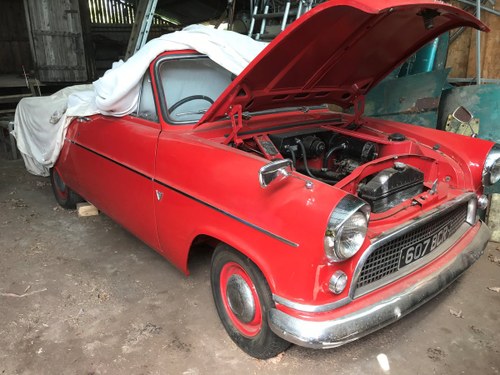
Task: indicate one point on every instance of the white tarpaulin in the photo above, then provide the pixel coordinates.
(40, 123)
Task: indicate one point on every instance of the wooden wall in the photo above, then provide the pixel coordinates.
(110, 43)
(110, 23)
(14, 41)
(462, 52)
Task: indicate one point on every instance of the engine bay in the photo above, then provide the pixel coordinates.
(337, 154)
(332, 156)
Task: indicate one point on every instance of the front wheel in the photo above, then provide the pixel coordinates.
(243, 298)
(66, 197)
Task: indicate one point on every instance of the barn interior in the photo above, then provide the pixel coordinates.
(81, 294)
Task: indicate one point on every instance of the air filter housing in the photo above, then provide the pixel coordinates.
(391, 186)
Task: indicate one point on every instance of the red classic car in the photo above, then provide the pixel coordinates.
(326, 225)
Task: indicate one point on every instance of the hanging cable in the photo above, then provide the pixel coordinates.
(303, 149)
(294, 158)
(330, 152)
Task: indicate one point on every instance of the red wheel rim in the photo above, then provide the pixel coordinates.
(60, 186)
(240, 299)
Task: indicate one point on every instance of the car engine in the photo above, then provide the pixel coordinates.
(329, 156)
(391, 186)
(324, 155)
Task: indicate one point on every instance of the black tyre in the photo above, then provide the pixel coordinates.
(243, 298)
(66, 197)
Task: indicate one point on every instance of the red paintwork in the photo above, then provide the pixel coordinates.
(124, 195)
(393, 288)
(318, 58)
(253, 327)
(187, 162)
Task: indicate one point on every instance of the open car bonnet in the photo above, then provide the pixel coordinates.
(337, 52)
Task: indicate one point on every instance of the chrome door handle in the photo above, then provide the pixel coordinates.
(84, 119)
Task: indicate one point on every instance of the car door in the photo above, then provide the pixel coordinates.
(115, 159)
(187, 86)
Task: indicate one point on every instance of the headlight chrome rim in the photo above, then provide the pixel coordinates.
(483, 202)
(358, 234)
(491, 170)
(348, 209)
(338, 282)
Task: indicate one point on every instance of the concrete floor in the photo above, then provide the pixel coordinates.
(83, 296)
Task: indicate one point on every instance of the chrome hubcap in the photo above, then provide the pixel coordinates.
(240, 299)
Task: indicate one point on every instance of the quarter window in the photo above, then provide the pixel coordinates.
(146, 108)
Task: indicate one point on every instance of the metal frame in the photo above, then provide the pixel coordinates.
(470, 80)
(140, 30)
(493, 11)
(478, 44)
(263, 6)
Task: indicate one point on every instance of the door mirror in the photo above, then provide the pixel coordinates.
(275, 171)
(462, 114)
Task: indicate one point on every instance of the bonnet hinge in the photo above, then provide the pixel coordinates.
(236, 116)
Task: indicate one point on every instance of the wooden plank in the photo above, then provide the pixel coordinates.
(13, 38)
(462, 52)
(494, 217)
(57, 39)
(86, 209)
(12, 98)
(6, 111)
(490, 51)
(458, 55)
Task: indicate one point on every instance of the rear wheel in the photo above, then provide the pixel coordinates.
(66, 197)
(243, 298)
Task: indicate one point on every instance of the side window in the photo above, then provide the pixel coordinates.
(190, 87)
(146, 108)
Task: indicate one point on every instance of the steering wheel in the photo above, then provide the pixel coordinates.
(188, 99)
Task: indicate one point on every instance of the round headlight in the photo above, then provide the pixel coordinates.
(482, 202)
(491, 170)
(495, 172)
(352, 235)
(346, 230)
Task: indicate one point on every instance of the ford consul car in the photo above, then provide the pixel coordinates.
(326, 226)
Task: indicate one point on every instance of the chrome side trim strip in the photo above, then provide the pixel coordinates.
(256, 227)
(340, 331)
(109, 159)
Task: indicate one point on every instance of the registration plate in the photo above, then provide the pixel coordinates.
(424, 247)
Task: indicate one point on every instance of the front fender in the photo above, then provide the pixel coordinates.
(215, 189)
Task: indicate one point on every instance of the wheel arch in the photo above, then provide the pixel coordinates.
(209, 241)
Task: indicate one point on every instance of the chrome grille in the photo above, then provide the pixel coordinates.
(385, 260)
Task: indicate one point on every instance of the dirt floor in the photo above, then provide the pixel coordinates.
(83, 296)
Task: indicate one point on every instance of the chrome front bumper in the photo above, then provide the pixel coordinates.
(337, 332)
